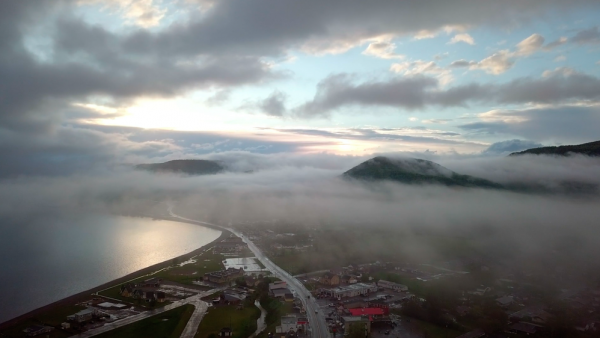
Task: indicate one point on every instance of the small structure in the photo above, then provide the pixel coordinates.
(65, 325)
(505, 301)
(330, 279)
(352, 290)
(83, 315)
(526, 328)
(37, 330)
(224, 276)
(392, 286)
(226, 332)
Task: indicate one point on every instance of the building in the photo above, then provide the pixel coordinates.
(352, 290)
(330, 279)
(83, 315)
(392, 286)
(150, 283)
(526, 328)
(224, 276)
(226, 332)
(127, 290)
(505, 301)
(284, 294)
(37, 330)
(277, 285)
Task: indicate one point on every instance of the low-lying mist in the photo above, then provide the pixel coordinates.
(531, 232)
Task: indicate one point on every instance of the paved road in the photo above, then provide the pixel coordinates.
(260, 322)
(316, 320)
(194, 300)
(192, 325)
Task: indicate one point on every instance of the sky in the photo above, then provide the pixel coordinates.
(115, 82)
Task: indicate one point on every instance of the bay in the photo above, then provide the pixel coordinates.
(45, 259)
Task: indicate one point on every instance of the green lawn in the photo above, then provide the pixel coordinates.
(243, 321)
(169, 324)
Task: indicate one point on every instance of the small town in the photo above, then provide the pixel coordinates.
(242, 298)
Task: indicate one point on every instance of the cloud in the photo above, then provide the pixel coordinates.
(464, 37)
(383, 50)
(274, 105)
(496, 63)
(340, 90)
(510, 146)
(587, 36)
(503, 60)
(420, 67)
(530, 45)
(563, 124)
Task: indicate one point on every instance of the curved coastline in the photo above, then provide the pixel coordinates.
(84, 295)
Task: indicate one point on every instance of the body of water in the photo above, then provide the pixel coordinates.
(50, 258)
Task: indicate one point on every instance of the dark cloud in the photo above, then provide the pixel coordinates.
(338, 91)
(274, 105)
(510, 146)
(566, 124)
(587, 36)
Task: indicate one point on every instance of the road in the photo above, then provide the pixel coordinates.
(318, 325)
(199, 312)
(192, 325)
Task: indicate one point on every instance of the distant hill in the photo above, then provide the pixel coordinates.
(414, 171)
(590, 149)
(189, 167)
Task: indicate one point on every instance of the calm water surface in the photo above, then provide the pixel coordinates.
(49, 258)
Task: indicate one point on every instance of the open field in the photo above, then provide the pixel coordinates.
(169, 324)
(243, 321)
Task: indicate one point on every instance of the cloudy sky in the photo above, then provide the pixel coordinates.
(123, 81)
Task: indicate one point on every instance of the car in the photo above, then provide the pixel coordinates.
(316, 311)
(387, 332)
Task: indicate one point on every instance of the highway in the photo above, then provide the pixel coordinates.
(318, 325)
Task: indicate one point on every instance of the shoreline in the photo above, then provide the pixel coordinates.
(84, 295)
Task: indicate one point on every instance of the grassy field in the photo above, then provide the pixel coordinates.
(51, 318)
(243, 321)
(169, 324)
(186, 274)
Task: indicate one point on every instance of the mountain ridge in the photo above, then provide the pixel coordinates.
(188, 167)
(589, 149)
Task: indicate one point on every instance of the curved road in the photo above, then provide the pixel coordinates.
(318, 326)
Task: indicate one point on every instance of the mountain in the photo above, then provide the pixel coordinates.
(189, 167)
(414, 171)
(590, 149)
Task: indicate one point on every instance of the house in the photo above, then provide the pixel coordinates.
(150, 283)
(83, 315)
(230, 298)
(36, 330)
(288, 323)
(126, 290)
(392, 286)
(137, 293)
(280, 293)
(226, 332)
(224, 276)
(160, 296)
(526, 328)
(534, 314)
(330, 279)
(65, 325)
(473, 334)
(505, 301)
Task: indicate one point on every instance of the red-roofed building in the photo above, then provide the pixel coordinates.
(370, 312)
